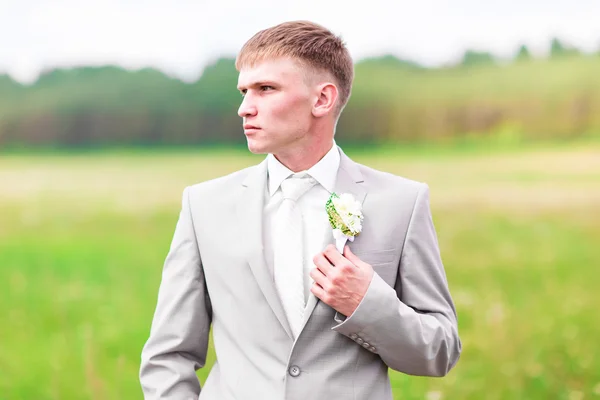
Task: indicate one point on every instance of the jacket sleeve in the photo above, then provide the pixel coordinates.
(178, 341)
(413, 325)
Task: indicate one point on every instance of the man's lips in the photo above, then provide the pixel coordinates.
(250, 129)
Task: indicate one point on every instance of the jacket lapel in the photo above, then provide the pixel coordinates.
(349, 179)
(250, 214)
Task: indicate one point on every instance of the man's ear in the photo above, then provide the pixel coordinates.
(327, 95)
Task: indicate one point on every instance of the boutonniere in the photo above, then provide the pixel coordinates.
(345, 217)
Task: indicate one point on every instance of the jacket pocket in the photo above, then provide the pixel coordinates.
(376, 257)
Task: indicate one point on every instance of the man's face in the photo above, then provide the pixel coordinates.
(277, 106)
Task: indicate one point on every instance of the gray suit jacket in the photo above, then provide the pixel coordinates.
(215, 274)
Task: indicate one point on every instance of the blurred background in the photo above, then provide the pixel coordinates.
(109, 109)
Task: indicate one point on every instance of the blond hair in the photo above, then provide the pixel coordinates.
(309, 43)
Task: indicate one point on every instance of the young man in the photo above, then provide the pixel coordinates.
(253, 253)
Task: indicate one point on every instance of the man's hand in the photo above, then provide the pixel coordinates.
(341, 281)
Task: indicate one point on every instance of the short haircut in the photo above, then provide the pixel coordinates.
(309, 43)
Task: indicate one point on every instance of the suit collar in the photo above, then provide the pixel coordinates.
(349, 179)
(249, 211)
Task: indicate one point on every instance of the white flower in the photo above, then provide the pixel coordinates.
(349, 211)
(345, 217)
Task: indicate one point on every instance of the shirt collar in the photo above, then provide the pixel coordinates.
(324, 172)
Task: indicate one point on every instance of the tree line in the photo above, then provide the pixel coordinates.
(393, 100)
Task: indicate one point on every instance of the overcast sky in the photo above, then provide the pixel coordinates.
(181, 37)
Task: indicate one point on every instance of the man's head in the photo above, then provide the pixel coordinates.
(296, 78)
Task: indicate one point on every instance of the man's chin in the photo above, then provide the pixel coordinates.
(256, 148)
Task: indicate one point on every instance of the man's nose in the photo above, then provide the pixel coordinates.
(247, 108)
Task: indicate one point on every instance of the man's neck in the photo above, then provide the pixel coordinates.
(303, 159)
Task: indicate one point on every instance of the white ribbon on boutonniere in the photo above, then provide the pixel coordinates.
(345, 217)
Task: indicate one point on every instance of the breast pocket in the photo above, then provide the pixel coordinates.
(384, 262)
(376, 257)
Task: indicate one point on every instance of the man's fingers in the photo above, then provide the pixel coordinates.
(318, 277)
(334, 256)
(318, 291)
(323, 264)
(352, 257)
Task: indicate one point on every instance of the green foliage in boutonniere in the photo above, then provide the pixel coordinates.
(345, 214)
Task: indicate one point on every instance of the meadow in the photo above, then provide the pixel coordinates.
(83, 238)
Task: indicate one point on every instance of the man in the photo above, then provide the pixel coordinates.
(253, 253)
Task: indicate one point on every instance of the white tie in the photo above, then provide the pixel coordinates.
(289, 249)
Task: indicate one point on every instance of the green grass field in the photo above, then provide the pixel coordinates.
(83, 238)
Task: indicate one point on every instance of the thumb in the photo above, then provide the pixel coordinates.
(351, 256)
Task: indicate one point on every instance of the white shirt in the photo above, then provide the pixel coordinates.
(312, 206)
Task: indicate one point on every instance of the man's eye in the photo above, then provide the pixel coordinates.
(264, 88)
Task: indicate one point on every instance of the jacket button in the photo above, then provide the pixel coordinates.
(353, 336)
(294, 371)
(359, 341)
